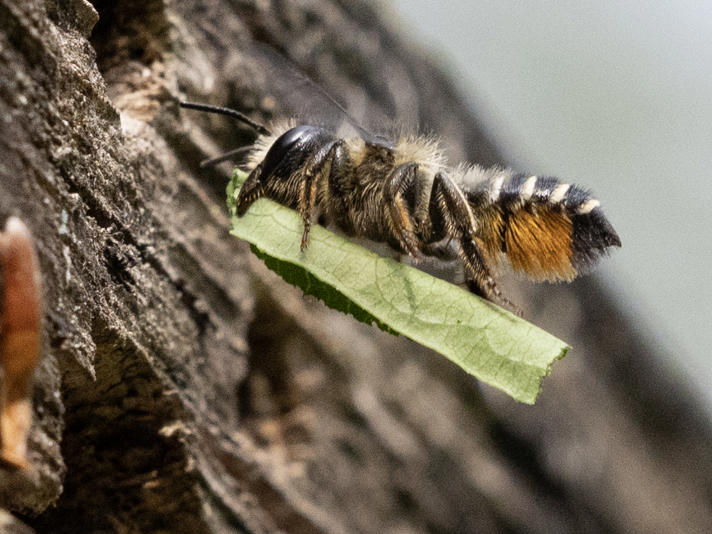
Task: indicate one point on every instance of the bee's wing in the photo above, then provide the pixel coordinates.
(298, 96)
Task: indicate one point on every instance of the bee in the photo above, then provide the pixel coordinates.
(404, 193)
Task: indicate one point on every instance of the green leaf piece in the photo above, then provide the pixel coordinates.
(488, 342)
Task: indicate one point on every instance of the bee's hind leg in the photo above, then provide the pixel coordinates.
(448, 202)
(478, 278)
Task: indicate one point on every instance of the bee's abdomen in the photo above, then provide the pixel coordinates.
(549, 230)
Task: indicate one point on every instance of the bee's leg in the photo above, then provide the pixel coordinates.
(250, 191)
(398, 182)
(478, 278)
(307, 199)
(318, 169)
(449, 203)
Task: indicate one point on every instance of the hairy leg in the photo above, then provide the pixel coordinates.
(250, 191)
(399, 181)
(449, 203)
(318, 170)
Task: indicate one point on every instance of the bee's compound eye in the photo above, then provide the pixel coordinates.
(286, 142)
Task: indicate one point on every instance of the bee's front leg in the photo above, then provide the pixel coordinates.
(316, 172)
(250, 191)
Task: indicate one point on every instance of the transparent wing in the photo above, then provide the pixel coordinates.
(302, 98)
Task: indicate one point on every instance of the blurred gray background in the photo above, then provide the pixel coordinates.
(616, 96)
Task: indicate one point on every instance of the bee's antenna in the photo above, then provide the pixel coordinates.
(227, 155)
(229, 112)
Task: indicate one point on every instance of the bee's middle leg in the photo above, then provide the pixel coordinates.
(399, 181)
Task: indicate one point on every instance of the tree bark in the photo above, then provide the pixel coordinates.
(184, 388)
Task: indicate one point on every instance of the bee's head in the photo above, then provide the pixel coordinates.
(292, 149)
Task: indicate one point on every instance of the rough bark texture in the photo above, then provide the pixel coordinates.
(186, 389)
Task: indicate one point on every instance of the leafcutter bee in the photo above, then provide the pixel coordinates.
(403, 192)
